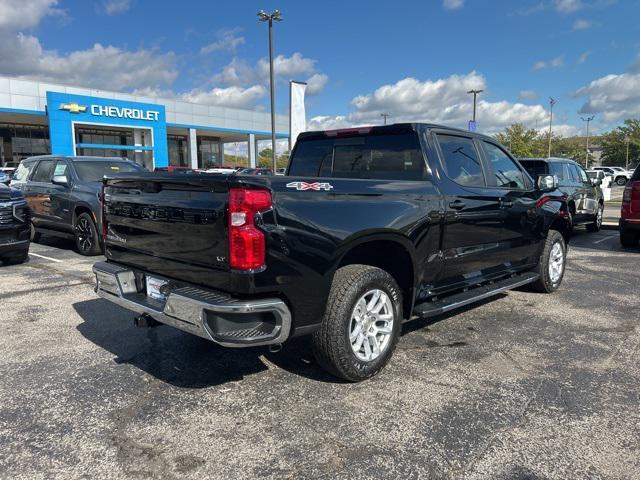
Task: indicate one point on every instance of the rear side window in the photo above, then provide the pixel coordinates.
(535, 167)
(22, 172)
(93, 171)
(43, 171)
(461, 162)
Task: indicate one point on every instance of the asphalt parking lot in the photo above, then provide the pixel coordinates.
(523, 386)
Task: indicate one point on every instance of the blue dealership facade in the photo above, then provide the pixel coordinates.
(39, 118)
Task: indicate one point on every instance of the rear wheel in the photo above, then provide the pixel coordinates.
(86, 235)
(552, 263)
(621, 181)
(597, 223)
(361, 324)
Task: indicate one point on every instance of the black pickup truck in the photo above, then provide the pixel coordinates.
(368, 228)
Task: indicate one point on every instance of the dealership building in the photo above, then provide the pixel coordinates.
(38, 118)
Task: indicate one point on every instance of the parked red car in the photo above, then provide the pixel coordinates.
(630, 212)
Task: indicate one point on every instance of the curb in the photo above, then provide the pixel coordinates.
(609, 226)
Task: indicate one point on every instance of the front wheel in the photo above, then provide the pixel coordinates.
(597, 223)
(86, 235)
(621, 181)
(361, 325)
(552, 263)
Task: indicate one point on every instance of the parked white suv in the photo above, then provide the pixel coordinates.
(619, 174)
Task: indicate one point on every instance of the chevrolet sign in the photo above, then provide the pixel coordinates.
(124, 112)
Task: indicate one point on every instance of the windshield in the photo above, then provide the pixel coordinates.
(94, 171)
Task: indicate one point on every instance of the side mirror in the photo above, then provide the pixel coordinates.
(60, 180)
(596, 182)
(600, 174)
(547, 183)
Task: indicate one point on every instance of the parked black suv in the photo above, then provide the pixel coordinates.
(64, 195)
(14, 226)
(584, 197)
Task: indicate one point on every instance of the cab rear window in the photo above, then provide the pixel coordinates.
(384, 157)
(93, 171)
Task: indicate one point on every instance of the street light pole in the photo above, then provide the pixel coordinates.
(586, 157)
(552, 102)
(270, 17)
(385, 116)
(475, 96)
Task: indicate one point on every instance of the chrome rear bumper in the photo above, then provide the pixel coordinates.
(208, 314)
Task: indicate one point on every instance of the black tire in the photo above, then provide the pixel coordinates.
(545, 284)
(332, 346)
(34, 235)
(597, 223)
(628, 239)
(86, 236)
(621, 181)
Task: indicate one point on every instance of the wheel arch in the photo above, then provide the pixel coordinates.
(391, 252)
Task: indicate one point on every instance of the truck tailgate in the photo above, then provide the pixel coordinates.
(180, 220)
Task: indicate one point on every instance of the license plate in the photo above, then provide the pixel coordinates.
(153, 288)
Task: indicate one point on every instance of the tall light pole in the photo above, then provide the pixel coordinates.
(552, 102)
(270, 17)
(385, 116)
(627, 139)
(586, 158)
(475, 97)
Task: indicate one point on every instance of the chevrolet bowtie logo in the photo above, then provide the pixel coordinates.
(73, 107)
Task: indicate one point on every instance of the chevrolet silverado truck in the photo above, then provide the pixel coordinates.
(368, 228)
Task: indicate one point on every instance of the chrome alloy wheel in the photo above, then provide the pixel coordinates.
(84, 234)
(556, 263)
(371, 325)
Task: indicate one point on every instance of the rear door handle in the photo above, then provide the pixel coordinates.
(457, 205)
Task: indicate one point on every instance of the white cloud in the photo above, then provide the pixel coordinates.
(238, 97)
(316, 83)
(582, 24)
(115, 7)
(452, 4)
(19, 14)
(562, 130)
(527, 95)
(613, 97)
(228, 41)
(287, 67)
(568, 6)
(584, 56)
(443, 101)
(553, 63)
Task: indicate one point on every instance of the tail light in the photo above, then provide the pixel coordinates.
(247, 247)
(626, 195)
(630, 200)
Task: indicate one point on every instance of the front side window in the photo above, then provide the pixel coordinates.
(43, 171)
(505, 171)
(583, 175)
(61, 169)
(573, 170)
(559, 169)
(461, 162)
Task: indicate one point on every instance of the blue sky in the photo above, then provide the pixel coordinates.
(412, 59)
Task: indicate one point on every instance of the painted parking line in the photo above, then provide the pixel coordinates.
(46, 258)
(605, 239)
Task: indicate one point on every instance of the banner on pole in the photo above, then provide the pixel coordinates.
(297, 114)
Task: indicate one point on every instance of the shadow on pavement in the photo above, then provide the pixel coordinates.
(182, 359)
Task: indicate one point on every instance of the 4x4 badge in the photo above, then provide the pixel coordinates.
(310, 186)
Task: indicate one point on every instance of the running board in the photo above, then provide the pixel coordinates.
(438, 307)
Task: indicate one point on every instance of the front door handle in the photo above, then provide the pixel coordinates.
(457, 205)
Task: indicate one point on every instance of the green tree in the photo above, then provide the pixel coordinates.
(265, 160)
(521, 141)
(614, 144)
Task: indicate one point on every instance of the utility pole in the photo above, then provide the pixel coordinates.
(475, 96)
(385, 116)
(270, 17)
(586, 157)
(627, 139)
(552, 102)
